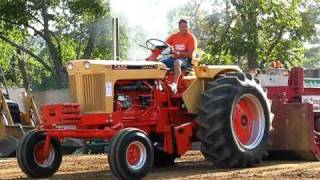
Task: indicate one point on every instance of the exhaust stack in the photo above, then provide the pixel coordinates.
(115, 32)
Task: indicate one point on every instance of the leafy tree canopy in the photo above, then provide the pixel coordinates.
(252, 33)
(50, 32)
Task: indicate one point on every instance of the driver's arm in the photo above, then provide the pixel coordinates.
(183, 54)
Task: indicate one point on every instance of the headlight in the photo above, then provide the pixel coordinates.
(87, 65)
(69, 66)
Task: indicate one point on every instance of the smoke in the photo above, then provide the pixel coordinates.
(145, 19)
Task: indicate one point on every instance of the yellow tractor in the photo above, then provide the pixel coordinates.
(14, 124)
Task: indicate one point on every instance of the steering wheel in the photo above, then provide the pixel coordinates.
(152, 44)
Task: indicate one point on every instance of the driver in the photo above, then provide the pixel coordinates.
(183, 45)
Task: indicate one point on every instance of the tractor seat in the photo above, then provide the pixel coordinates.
(187, 68)
(14, 111)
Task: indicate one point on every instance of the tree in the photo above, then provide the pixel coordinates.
(312, 54)
(60, 29)
(192, 12)
(12, 62)
(313, 58)
(252, 33)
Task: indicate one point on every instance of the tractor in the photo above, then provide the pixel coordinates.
(130, 105)
(15, 123)
(16, 120)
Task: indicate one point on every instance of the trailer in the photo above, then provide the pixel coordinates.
(295, 128)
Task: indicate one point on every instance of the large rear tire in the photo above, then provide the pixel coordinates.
(31, 159)
(233, 123)
(131, 154)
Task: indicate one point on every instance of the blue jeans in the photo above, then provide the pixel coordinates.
(185, 62)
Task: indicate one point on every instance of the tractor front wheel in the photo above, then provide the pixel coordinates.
(31, 157)
(131, 154)
(234, 121)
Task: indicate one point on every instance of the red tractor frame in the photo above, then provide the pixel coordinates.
(150, 125)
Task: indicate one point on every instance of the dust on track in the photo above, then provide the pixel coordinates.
(188, 167)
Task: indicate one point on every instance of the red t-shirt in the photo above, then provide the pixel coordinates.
(182, 42)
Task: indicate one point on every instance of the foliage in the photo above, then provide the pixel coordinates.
(48, 33)
(313, 58)
(253, 33)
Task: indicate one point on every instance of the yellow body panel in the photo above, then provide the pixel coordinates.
(210, 71)
(93, 88)
(191, 96)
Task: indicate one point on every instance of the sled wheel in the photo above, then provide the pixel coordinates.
(31, 159)
(131, 154)
(233, 122)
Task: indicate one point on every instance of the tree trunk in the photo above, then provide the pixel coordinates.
(252, 56)
(90, 45)
(252, 33)
(12, 73)
(79, 48)
(54, 52)
(23, 70)
(198, 28)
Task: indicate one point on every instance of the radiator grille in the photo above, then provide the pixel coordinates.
(93, 92)
(72, 87)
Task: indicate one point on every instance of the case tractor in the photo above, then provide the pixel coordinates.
(130, 105)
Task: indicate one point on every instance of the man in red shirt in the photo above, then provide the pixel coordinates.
(183, 45)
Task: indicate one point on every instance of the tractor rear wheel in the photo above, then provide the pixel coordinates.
(131, 154)
(233, 122)
(31, 159)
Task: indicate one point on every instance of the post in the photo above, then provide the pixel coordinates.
(115, 32)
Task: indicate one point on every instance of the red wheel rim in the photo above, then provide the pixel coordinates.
(133, 154)
(40, 158)
(248, 121)
(136, 155)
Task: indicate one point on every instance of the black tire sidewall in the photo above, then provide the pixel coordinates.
(215, 121)
(123, 167)
(113, 152)
(20, 156)
(29, 159)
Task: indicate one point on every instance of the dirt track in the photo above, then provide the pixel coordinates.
(190, 166)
